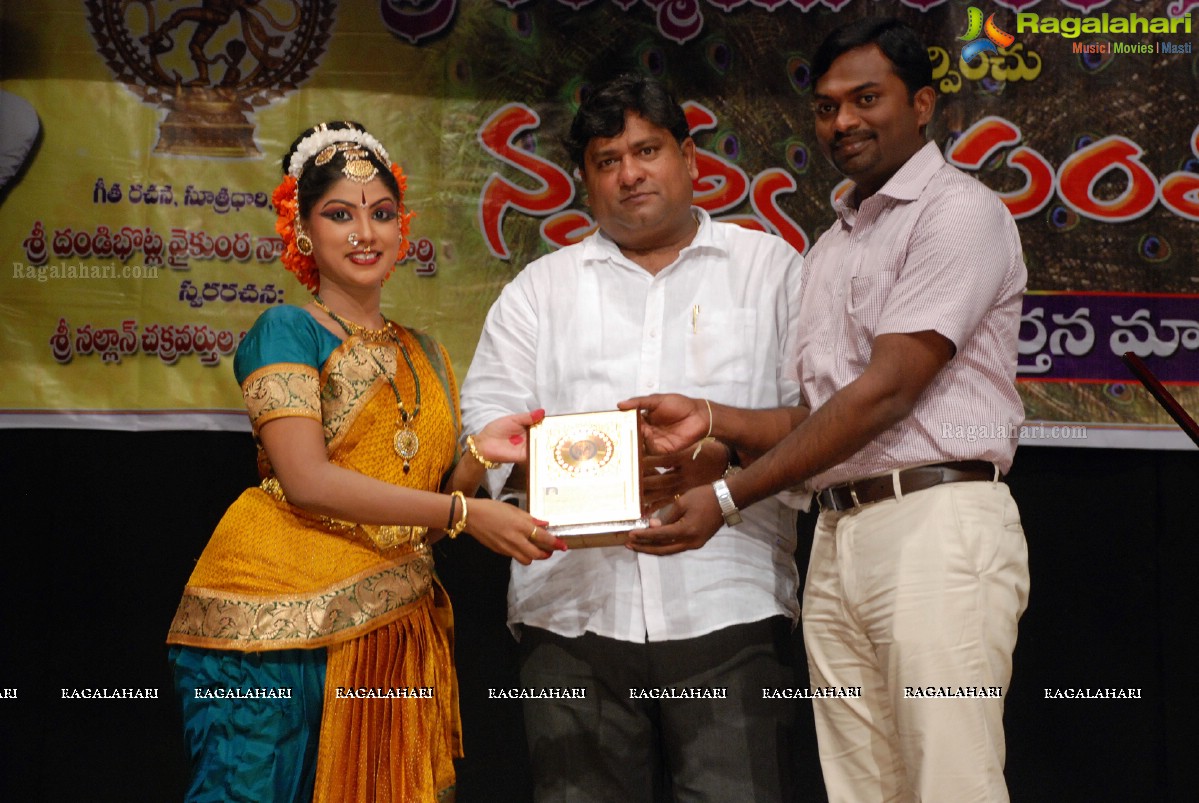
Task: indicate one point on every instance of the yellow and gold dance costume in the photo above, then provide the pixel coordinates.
(278, 588)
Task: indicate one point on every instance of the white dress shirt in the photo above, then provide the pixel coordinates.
(584, 327)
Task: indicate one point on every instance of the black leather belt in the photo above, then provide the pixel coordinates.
(875, 489)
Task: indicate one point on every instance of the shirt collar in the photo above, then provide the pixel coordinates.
(600, 246)
(907, 183)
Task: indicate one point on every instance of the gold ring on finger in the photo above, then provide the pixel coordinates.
(533, 535)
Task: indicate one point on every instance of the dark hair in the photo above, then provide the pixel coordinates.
(315, 180)
(602, 112)
(898, 41)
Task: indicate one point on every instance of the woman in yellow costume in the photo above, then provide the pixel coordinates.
(312, 646)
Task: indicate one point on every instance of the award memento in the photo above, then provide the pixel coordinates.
(585, 476)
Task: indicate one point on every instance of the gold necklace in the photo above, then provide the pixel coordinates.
(351, 328)
(405, 442)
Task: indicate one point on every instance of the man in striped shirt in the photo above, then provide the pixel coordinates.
(909, 316)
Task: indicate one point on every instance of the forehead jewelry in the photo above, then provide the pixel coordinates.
(357, 166)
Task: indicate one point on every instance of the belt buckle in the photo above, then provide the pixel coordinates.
(832, 506)
(834, 500)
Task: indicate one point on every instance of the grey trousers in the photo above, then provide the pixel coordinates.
(678, 720)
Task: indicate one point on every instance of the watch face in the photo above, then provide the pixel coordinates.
(583, 451)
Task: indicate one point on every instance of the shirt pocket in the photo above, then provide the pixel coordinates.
(720, 354)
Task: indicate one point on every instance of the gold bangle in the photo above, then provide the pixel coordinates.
(461, 525)
(474, 452)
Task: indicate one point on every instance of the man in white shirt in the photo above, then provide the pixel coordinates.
(659, 298)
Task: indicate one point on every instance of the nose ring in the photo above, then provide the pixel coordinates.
(353, 238)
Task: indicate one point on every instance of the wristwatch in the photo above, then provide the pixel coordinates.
(732, 516)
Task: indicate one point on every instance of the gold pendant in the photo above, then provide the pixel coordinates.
(406, 443)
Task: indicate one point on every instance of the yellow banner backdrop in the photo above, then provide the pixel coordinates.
(138, 240)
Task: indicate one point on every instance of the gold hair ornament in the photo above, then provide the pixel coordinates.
(319, 141)
(358, 166)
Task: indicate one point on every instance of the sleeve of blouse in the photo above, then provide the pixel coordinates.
(278, 366)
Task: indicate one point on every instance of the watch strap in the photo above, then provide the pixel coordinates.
(732, 516)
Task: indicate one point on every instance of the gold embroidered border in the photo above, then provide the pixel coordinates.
(282, 389)
(208, 618)
(349, 380)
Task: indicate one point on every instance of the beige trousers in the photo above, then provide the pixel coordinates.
(915, 601)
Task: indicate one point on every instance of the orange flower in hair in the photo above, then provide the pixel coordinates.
(287, 210)
(405, 217)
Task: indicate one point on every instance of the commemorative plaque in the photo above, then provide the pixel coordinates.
(585, 476)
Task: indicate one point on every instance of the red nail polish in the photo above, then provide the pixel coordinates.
(538, 415)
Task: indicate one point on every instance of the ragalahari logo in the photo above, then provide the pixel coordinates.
(975, 28)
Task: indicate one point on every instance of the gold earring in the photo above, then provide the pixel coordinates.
(303, 241)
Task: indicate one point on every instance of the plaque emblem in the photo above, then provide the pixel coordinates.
(583, 451)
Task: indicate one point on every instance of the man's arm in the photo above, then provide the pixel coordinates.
(901, 367)
(672, 423)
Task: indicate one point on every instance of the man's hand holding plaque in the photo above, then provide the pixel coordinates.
(665, 476)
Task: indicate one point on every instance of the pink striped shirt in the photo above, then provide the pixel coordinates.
(932, 250)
